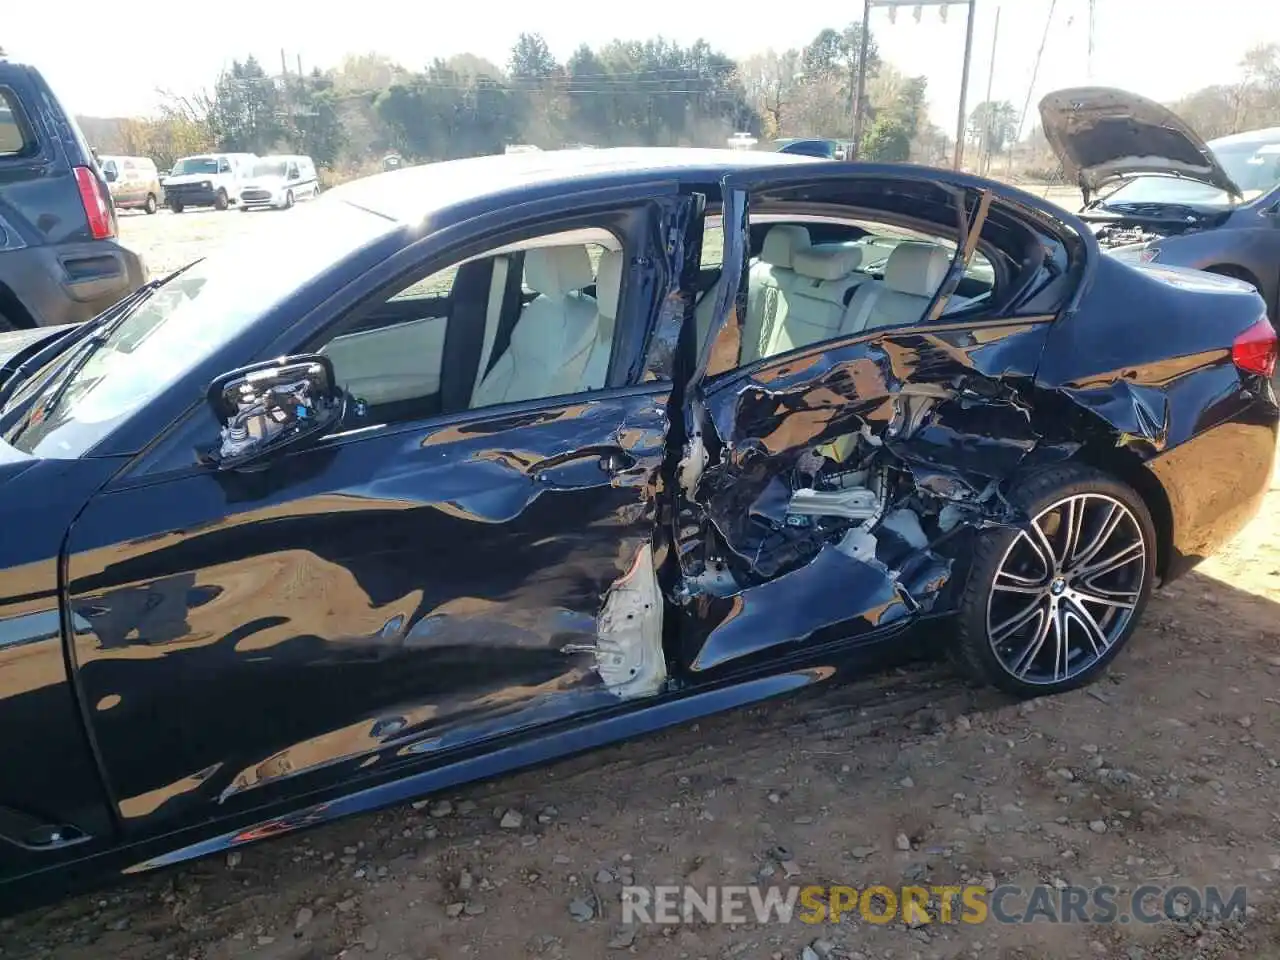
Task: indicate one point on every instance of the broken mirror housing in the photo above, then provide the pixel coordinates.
(272, 405)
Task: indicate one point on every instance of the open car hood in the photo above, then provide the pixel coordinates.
(1101, 134)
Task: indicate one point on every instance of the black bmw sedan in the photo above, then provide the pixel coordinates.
(472, 465)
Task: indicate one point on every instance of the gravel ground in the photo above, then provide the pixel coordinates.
(1166, 771)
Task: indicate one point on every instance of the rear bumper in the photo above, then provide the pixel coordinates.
(1215, 482)
(71, 282)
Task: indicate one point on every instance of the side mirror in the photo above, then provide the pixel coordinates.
(273, 406)
(109, 176)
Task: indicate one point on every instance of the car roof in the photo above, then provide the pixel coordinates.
(1265, 135)
(412, 194)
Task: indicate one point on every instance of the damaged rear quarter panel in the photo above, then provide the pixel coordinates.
(1162, 405)
(942, 413)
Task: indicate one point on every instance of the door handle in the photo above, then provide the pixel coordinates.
(615, 461)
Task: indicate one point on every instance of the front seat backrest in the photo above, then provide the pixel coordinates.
(608, 298)
(912, 275)
(553, 334)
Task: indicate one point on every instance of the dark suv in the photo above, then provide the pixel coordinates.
(59, 259)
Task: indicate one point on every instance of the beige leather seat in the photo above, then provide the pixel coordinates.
(608, 297)
(912, 275)
(769, 285)
(815, 302)
(552, 339)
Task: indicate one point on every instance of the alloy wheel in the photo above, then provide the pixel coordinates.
(1067, 588)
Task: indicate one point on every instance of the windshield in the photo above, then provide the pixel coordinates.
(270, 168)
(76, 400)
(195, 165)
(1254, 166)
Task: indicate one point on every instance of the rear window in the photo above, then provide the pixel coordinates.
(15, 136)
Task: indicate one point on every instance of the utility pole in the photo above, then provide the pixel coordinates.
(858, 111)
(918, 6)
(964, 86)
(1089, 68)
(986, 142)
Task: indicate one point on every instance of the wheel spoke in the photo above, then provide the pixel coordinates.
(1029, 653)
(1040, 545)
(1121, 599)
(1072, 521)
(1097, 637)
(1012, 583)
(1011, 626)
(1114, 517)
(1121, 558)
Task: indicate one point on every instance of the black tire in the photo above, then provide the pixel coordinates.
(221, 202)
(175, 206)
(5, 325)
(288, 199)
(1077, 490)
(151, 206)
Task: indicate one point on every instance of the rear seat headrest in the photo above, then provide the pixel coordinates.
(916, 268)
(609, 283)
(830, 263)
(555, 271)
(781, 244)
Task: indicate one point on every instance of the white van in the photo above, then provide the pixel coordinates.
(134, 182)
(280, 181)
(207, 180)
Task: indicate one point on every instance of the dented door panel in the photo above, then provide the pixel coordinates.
(847, 479)
(366, 606)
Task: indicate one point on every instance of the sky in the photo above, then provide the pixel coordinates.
(1160, 48)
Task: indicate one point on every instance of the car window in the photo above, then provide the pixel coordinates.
(15, 138)
(525, 321)
(810, 281)
(70, 405)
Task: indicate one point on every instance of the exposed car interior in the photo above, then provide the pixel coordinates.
(528, 321)
(536, 319)
(816, 279)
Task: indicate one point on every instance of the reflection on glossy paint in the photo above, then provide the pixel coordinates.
(413, 598)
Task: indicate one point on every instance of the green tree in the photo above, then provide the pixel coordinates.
(994, 125)
(245, 112)
(887, 140)
(313, 123)
(531, 58)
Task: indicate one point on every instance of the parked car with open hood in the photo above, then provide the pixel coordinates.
(208, 180)
(60, 259)
(730, 421)
(280, 182)
(1154, 190)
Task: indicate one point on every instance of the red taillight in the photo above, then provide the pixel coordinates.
(1254, 351)
(97, 207)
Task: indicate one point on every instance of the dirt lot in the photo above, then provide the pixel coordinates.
(1165, 772)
